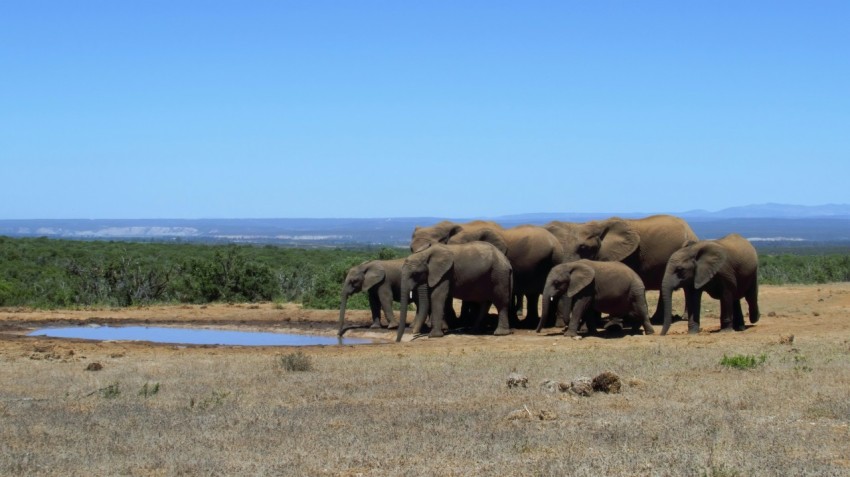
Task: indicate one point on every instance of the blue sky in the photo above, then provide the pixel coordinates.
(179, 109)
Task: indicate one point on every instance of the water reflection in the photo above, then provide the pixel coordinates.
(193, 336)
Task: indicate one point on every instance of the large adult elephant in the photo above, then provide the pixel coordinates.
(644, 245)
(424, 237)
(475, 272)
(532, 251)
(726, 269)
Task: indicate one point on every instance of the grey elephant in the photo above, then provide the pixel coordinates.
(644, 245)
(531, 250)
(476, 272)
(381, 279)
(726, 269)
(604, 287)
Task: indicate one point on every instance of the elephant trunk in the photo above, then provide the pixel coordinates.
(405, 301)
(546, 309)
(342, 304)
(666, 297)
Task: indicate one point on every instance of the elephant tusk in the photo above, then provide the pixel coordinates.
(411, 294)
(551, 298)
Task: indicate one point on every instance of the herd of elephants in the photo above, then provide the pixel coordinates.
(582, 270)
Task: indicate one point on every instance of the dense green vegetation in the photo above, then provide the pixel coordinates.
(48, 273)
(64, 273)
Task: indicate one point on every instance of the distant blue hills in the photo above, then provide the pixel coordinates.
(767, 223)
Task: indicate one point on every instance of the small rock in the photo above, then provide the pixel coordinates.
(607, 382)
(545, 415)
(516, 380)
(582, 386)
(549, 386)
(786, 339)
(564, 387)
(814, 313)
(519, 415)
(94, 366)
(635, 382)
(772, 313)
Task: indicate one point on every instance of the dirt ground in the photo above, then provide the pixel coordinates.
(810, 312)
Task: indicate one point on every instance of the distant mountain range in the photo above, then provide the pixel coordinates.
(764, 222)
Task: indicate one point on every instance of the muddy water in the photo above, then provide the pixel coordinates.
(194, 336)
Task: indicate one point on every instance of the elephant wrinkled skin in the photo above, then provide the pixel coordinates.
(726, 269)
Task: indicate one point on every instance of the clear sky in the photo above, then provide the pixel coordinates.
(264, 109)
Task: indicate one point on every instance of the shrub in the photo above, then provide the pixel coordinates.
(742, 361)
(297, 361)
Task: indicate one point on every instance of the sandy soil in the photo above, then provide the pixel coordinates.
(815, 312)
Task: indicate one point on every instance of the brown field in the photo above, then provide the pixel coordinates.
(430, 407)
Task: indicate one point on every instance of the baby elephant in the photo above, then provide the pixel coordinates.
(606, 287)
(726, 268)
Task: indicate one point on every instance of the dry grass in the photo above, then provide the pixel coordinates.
(430, 407)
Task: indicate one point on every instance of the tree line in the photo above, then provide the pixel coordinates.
(48, 273)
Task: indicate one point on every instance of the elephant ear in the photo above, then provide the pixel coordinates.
(709, 259)
(375, 274)
(581, 276)
(619, 240)
(439, 263)
(454, 230)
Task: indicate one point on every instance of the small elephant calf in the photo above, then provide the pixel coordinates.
(606, 287)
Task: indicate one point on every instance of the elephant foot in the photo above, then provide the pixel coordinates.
(648, 329)
(436, 333)
(740, 328)
(375, 324)
(692, 330)
(560, 323)
(502, 331)
(726, 329)
(570, 333)
(754, 319)
(392, 325)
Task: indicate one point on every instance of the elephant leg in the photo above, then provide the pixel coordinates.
(483, 308)
(375, 306)
(424, 308)
(580, 308)
(532, 314)
(385, 294)
(693, 299)
(642, 314)
(439, 296)
(738, 317)
(727, 311)
(752, 297)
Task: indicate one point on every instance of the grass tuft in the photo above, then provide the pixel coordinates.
(297, 361)
(743, 361)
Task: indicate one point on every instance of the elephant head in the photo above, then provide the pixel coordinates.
(360, 277)
(485, 234)
(563, 283)
(424, 237)
(425, 270)
(610, 240)
(692, 267)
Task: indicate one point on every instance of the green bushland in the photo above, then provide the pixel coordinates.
(48, 273)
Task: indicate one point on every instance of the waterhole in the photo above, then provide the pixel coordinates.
(193, 336)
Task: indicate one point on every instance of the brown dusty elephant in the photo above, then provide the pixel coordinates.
(644, 245)
(726, 268)
(476, 272)
(424, 237)
(532, 251)
(605, 287)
